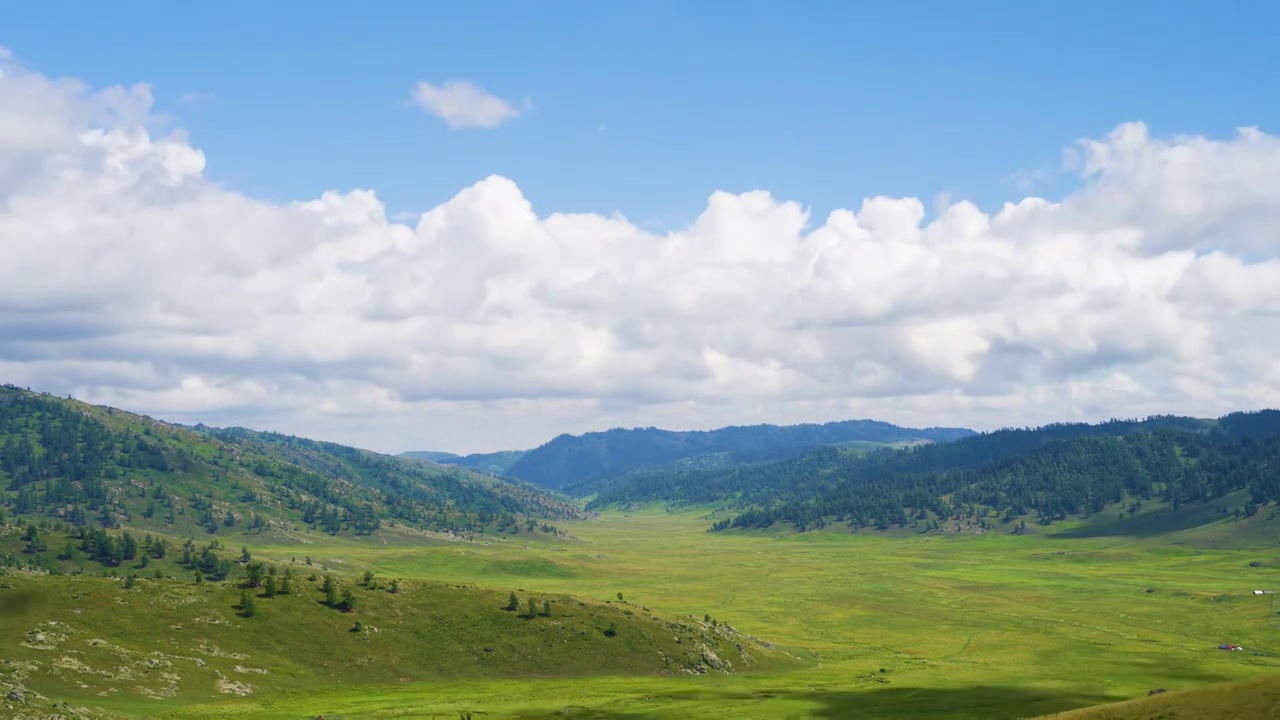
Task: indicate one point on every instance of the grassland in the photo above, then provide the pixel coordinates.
(1257, 699)
(993, 626)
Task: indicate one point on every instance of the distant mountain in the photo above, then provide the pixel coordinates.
(584, 462)
(435, 457)
(1043, 474)
(494, 463)
(85, 464)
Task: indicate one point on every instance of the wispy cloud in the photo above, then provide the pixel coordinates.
(462, 104)
(195, 98)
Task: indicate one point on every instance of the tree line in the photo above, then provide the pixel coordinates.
(1046, 474)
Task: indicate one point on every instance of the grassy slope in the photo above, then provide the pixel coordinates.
(94, 643)
(987, 627)
(1257, 699)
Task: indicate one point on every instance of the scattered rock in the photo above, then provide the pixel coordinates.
(227, 686)
(16, 695)
(710, 658)
(1157, 691)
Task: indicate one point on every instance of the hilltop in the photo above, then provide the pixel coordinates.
(67, 460)
(1003, 478)
(495, 463)
(582, 464)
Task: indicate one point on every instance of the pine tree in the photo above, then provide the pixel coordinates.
(271, 586)
(128, 546)
(513, 603)
(546, 608)
(254, 572)
(395, 586)
(533, 608)
(247, 606)
(330, 591)
(348, 600)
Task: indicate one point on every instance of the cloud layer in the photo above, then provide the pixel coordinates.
(463, 105)
(132, 279)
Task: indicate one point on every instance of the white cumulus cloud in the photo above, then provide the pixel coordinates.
(130, 278)
(463, 105)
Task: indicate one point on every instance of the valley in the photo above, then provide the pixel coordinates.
(865, 626)
(466, 595)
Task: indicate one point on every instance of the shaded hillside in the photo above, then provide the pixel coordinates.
(496, 463)
(63, 459)
(1045, 474)
(1256, 699)
(576, 460)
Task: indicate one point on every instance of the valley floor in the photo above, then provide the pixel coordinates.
(993, 626)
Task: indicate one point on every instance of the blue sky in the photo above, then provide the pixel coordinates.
(198, 291)
(646, 108)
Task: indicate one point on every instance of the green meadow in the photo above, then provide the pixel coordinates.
(909, 626)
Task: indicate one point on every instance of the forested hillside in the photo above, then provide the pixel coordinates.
(1042, 474)
(578, 463)
(83, 464)
(496, 463)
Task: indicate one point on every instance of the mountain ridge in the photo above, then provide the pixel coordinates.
(568, 460)
(1045, 474)
(72, 461)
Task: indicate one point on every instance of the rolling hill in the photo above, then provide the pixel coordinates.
(1043, 474)
(582, 464)
(79, 644)
(494, 463)
(66, 460)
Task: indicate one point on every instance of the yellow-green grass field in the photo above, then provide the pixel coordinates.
(905, 627)
(866, 625)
